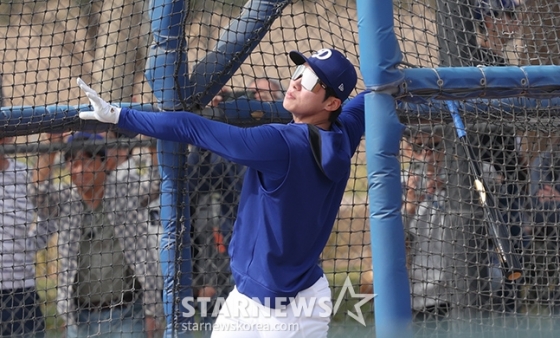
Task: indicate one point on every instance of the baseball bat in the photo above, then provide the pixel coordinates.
(497, 229)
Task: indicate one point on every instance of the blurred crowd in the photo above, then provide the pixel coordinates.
(451, 256)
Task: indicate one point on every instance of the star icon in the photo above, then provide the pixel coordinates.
(347, 287)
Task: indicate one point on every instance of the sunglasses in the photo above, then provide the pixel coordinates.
(309, 80)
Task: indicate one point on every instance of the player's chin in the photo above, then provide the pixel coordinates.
(289, 104)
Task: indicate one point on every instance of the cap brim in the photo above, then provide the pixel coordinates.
(297, 57)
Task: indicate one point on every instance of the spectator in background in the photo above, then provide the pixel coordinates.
(544, 186)
(108, 282)
(538, 40)
(265, 89)
(544, 212)
(438, 255)
(261, 89)
(497, 23)
(420, 150)
(142, 174)
(119, 159)
(420, 178)
(474, 33)
(439, 247)
(21, 314)
(118, 153)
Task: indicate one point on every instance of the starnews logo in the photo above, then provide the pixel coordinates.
(283, 307)
(365, 297)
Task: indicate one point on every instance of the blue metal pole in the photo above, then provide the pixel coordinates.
(380, 55)
(166, 70)
(175, 245)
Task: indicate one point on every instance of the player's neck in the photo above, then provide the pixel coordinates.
(318, 120)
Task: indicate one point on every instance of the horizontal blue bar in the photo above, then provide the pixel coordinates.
(27, 120)
(456, 83)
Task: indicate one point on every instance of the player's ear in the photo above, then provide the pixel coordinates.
(332, 103)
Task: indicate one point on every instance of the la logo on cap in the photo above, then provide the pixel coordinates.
(322, 54)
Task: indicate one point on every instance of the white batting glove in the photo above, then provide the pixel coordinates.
(102, 111)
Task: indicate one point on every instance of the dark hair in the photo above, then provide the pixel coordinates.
(336, 113)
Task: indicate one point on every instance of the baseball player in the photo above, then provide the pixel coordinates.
(296, 176)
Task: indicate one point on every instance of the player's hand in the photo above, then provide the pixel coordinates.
(102, 111)
(219, 98)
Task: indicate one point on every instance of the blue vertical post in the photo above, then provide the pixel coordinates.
(380, 55)
(166, 67)
(166, 71)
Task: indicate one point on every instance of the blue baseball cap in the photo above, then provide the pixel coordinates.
(91, 148)
(331, 67)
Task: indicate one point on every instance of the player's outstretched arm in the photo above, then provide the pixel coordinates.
(261, 148)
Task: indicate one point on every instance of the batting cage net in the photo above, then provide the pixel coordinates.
(86, 250)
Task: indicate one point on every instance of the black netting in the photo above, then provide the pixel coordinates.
(457, 285)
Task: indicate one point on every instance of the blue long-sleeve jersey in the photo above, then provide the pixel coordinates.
(288, 201)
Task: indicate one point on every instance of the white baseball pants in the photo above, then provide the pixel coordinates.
(307, 316)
